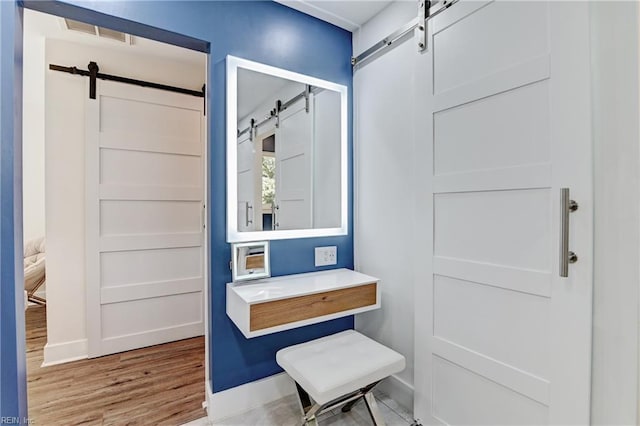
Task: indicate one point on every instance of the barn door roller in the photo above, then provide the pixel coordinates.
(425, 13)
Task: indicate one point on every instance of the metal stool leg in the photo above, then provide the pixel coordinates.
(309, 409)
(349, 405)
(310, 422)
(372, 406)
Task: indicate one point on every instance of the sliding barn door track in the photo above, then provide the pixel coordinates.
(94, 74)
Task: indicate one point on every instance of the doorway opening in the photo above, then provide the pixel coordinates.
(114, 201)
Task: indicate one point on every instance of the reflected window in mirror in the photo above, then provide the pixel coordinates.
(268, 182)
(289, 173)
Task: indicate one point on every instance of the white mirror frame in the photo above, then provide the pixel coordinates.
(233, 235)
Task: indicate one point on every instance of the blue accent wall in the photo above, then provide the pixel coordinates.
(261, 31)
(13, 392)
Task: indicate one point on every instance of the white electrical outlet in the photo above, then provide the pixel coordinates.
(326, 256)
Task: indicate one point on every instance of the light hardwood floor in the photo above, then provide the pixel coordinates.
(159, 385)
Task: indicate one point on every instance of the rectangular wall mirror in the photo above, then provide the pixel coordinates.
(286, 154)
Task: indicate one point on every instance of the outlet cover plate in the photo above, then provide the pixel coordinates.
(326, 255)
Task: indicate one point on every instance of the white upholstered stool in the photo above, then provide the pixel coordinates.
(338, 369)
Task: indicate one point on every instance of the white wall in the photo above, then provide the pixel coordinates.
(616, 129)
(385, 186)
(63, 99)
(33, 137)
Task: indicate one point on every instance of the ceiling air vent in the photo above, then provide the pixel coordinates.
(113, 35)
(94, 30)
(80, 26)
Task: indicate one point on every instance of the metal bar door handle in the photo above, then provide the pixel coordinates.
(567, 206)
(274, 211)
(248, 220)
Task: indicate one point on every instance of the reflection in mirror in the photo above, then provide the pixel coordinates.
(288, 154)
(250, 261)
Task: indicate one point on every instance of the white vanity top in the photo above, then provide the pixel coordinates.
(275, 304)
(276, 288)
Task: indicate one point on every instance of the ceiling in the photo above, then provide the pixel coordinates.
(53, 27)
(347, 14)
(255, 88)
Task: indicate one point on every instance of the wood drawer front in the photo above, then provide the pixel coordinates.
(284, 311)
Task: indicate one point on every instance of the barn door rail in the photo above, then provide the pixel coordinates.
(419, 23)
(94, 74)
(279, 107)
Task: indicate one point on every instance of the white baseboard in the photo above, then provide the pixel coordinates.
(59, 353)
(238, 400)
(207, 397)
(398, 390)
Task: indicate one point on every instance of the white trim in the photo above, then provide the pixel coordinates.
(314, 10)
(233, 234)
(238, 400)
(520, 75)
(149, 192)
(529, 281)
(615, 393)
(146, 290)
(398, 390)
(59, 353)
(208, 397)
(524, 383)
(150, 242)
(92, 242)
(206, 209)
(499, 179)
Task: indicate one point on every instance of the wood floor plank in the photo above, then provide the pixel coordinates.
(162, 384)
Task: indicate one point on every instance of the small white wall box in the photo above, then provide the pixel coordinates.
(250, 261)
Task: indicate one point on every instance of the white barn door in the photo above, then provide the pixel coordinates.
(247, 171)
(503, 339)
(294, 168)
(144, 223)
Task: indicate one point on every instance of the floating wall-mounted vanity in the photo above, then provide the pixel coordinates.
(287, 151)
(282, 303)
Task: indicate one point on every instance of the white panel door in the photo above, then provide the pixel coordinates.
(294, 168)
(326, 160)
(502, 339)
(144, 218)
(247, 171)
